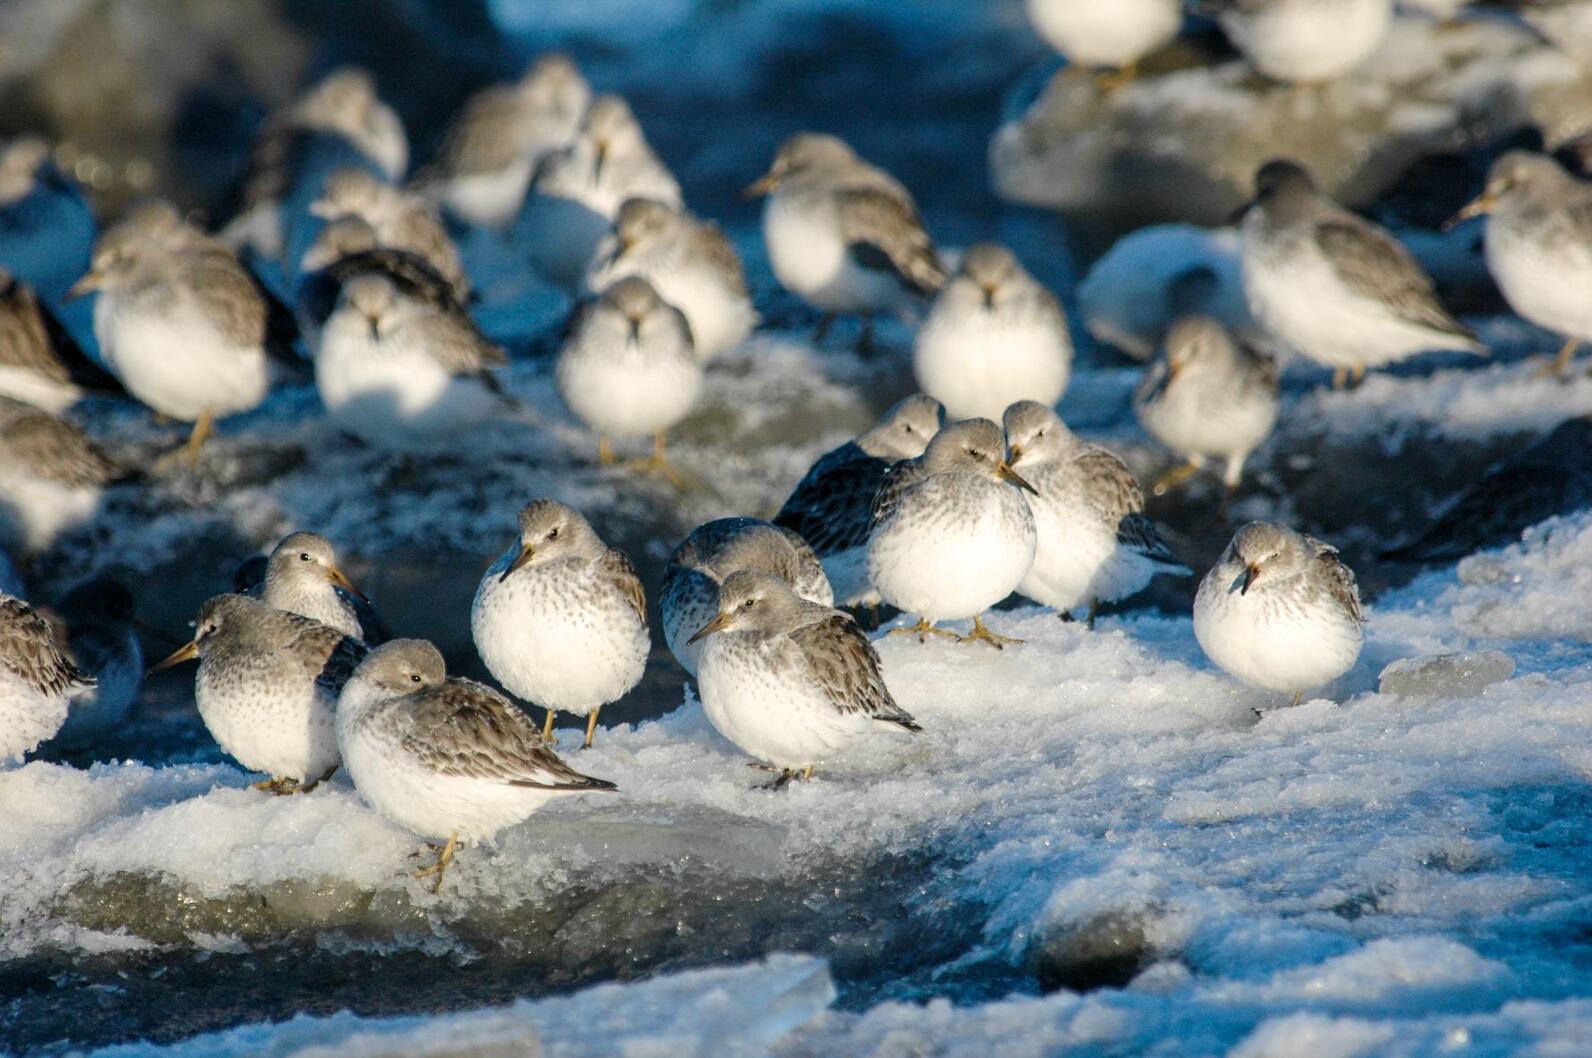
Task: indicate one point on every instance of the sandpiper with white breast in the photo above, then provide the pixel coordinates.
(1095, 542)
(714, 551)
(448, 758)
(492, 148)
(952, 534)
(1539, 244)
(267, 688)
(53, 477)
(1279, 610)
(37, 679)
(1207, 396)
(302, 577)
(627, 369)
(691, 265)
(577, 191)
(832, 506)
(844, 235)
(404, 373)
(179, 321)
(993, 337)
(1334, 287)
(790, 681)
(560, 618)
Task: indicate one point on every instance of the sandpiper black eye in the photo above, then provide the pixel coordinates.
(414, 677)
(553, 534)
(748, 604)
(304, 556)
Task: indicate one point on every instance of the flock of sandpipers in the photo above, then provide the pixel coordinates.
(960, 496)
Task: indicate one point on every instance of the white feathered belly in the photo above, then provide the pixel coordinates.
(787, 722)
(1225, 429)
(1313, 312)
(810, 260)
(625, 396)
(977, 367)
(1105, 32)
(1077, 562)
(430, 804)
(1310, 40)
(27, 717)
(177, 364)
(559, 655)
(394, 397)
(1550, 289)
(490, 200)
(1281, 649)
(288, 734)
(945, 566)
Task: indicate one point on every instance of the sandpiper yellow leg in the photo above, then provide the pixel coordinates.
(547, 728)
(659, 462)
(980, 634)
(605, 452)
(198, 436)
(1340, 377)
(441, 866)
(591, 725)
(1173, 478)
(923, 629)
(1562, 361)
(1094, 608)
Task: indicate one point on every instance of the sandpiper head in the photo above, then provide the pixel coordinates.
(640, 221)
(20, 161)
(340, 238)
(635, 299)
(402, 667)
(804, 155)
(1265, 550)
(221, 618)
(371, 296)
(550, 531)
(341, 99)
(306, 557)
(1283, 189)
(906, 429)
(350, 190)
(990, 268)
(1518, 172)
(752, 601)
(554, 83)
(972, 446)
(1034, 433)
(758, 546)
(1197, 340)
(611, 127)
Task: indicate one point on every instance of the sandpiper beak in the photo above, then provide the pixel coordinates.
(718, 624)
(989, 295)
(1004, 471)
(339, 578)
(1479, 206)
(761, 186)
(375, 327)
(187, 652)
(599, 161)
(1251, 572)
(527, 552)
(89, 282)
(635, 331)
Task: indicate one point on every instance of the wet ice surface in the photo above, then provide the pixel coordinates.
(1100, 813)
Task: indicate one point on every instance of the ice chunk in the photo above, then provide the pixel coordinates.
(1462, 675)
